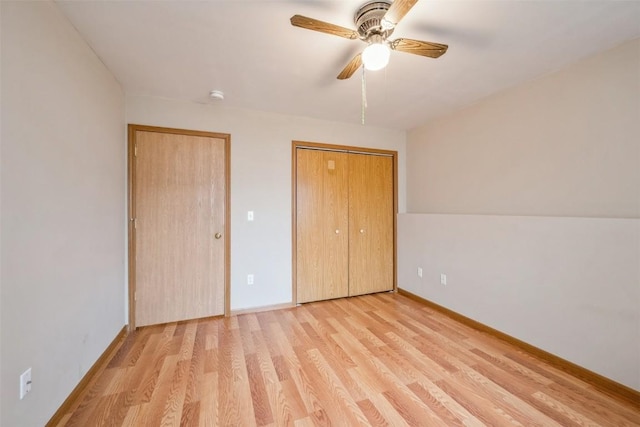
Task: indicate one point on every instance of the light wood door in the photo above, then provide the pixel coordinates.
(322, 225)
(371, 212)
(179, 227)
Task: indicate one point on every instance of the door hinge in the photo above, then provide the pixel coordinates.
(135, 223)
(135, 150)
(135, 296)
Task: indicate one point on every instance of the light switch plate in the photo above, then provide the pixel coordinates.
(25, 383)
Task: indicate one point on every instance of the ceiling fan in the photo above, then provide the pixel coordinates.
(375, 22)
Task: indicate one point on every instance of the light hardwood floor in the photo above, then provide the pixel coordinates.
(371, 360)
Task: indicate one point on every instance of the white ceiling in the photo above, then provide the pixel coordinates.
(247, 48)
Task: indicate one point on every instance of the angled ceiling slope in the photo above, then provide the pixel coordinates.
(182, 49)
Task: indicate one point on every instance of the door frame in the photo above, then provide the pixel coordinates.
(294, 220)
(131, 170)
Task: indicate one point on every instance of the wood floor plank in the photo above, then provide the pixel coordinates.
(208, 415)
(328, 403)
(521, 387)
(155, 411)
(379, 360)
(412, 409)
(570, 413)
(294, 400)
(280, 406)
(190, 414)
(143, 381)
(234, 398)
(246, 334)
(110, 410)
(90, 401)
(172, 413)
(514, 369)
(478, 405)
(196, 368)
(388, 413)
(332, 377)
(508, 403)
(272, 332)
(370, 411)
(437, 406)
(599, 411)
(325, 344)
(259, 396)
(132, 418)
(130, 350)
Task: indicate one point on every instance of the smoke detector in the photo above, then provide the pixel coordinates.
(218, 95)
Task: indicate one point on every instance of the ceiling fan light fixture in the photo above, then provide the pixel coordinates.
(376, 56)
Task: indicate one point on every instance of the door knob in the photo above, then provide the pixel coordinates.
(337, 231)
(218, 235)
(361, 231)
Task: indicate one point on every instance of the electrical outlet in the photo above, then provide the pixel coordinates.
(249, 215)
(443, 279)
(420, 272)
(25, 383)
(249, 279)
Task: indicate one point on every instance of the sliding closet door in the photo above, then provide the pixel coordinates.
(371, 212)
(322, 195)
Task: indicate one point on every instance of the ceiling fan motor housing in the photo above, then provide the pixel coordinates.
(368, 20)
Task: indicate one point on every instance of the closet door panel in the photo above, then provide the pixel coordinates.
(322, 225)
(370, 224)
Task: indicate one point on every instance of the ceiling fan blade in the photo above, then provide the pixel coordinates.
(417, 47)
(323, 27)
(351, 67)
(397, 10)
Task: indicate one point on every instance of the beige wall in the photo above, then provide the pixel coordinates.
(564, 145)
(63, 209)
(261, 182)
(567, 285)
(529, 202)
